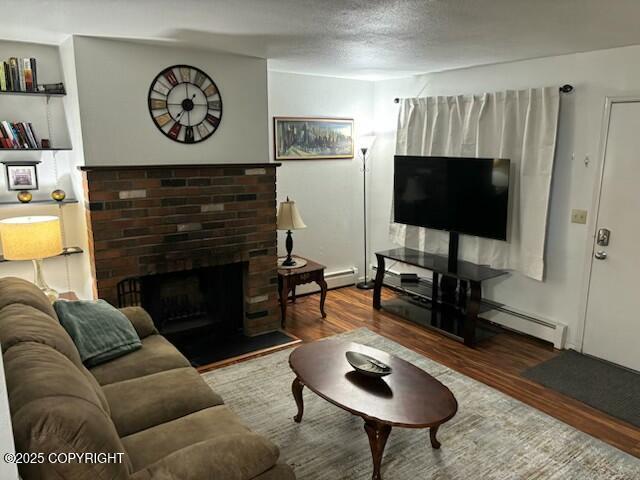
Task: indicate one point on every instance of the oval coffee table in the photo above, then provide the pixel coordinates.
(409, 397)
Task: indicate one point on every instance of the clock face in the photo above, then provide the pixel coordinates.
(185, 104)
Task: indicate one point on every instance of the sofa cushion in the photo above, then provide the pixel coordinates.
(23, 323)
(100, 331)
(149, 446)
(156, 355)
(56, 410)
(17, 290)
(148, 401)
(238, 456)
(141, 321)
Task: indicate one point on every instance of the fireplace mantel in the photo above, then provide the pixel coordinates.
(89, 168)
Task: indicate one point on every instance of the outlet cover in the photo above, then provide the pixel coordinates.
(578, 216)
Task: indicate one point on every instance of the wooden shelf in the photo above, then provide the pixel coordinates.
(65, 252)
(423, 289)
(32, 94)
(62, 149)
(41, 202)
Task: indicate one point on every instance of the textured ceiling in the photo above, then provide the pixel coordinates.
(354, 38)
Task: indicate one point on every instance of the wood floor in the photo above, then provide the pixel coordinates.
(497, 362)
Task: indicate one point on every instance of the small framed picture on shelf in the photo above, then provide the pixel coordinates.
(22, 175)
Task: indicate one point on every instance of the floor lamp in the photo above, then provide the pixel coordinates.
(365, 145)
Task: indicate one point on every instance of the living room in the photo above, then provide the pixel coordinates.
(377, 219)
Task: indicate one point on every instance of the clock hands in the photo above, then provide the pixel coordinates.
(195, 104)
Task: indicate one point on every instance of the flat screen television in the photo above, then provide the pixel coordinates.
(456, 194)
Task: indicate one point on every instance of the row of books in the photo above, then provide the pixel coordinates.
(17, 135)
(19, 75)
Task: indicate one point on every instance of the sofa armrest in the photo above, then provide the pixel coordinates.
(239, 456)
(140, 320)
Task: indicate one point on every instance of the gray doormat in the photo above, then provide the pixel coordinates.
(604, 386)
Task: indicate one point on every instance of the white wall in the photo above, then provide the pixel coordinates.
(594, 76)
(113, 81)
(328, 193)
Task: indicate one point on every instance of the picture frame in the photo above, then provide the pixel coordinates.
(313, 138)
(21, 175)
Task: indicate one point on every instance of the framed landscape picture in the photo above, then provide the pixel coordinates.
(307, 138)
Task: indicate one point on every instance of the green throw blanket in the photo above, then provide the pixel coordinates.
(100, 331)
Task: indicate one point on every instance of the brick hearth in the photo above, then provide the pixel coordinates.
(145, 220)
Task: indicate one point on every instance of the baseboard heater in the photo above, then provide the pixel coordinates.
(500, 314)
(335, 279)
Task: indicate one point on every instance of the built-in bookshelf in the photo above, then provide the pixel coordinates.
(66, 201)
(32, 94)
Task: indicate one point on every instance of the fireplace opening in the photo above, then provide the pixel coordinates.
(196, 310)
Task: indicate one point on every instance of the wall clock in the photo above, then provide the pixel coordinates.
(185, 104)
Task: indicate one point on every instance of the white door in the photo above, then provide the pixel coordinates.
(612, 328)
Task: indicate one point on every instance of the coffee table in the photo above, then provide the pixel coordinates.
(409, 397)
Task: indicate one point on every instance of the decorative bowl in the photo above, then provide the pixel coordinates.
(367, 365)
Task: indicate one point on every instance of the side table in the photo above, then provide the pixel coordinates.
(289, 278)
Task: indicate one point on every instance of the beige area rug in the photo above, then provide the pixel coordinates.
(493, 436)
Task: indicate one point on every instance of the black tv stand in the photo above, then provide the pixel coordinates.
(456, 291)
(452, 259)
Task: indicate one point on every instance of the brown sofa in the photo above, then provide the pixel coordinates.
(149, 405)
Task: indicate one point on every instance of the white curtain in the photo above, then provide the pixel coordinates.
(518, 125)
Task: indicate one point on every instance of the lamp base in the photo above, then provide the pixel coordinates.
(51, 294)
(297, 262)
(289, 262)
(369, 285)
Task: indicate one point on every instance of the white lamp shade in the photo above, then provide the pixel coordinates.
(30, 238)
(366, 141)
(289, 217)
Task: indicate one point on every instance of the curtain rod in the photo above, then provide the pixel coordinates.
(563, 89)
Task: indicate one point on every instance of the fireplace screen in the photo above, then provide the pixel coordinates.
(190, 303)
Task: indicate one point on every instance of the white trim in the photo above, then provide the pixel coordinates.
(8, 470)
(595, 209)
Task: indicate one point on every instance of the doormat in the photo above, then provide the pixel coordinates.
(602, 385)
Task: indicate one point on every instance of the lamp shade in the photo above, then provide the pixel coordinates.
(30, 238)
(288, 216)
(366, 141)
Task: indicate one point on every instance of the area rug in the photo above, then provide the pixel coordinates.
(605, 386)
(492, 437)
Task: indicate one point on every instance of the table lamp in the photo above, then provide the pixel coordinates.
(32, 238)
(289, 219)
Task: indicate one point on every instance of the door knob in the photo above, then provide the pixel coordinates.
(600, 255)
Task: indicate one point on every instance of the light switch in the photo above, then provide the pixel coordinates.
(578, 216)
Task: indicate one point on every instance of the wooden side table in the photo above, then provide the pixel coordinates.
(71, 296)
(289, 278)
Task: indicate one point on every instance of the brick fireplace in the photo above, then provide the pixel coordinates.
(147, 221)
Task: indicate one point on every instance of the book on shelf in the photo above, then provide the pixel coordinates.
(28, 74)
(17, 135)
(21, 75)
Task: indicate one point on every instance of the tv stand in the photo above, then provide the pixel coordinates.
(456, 290)
(452, 259)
